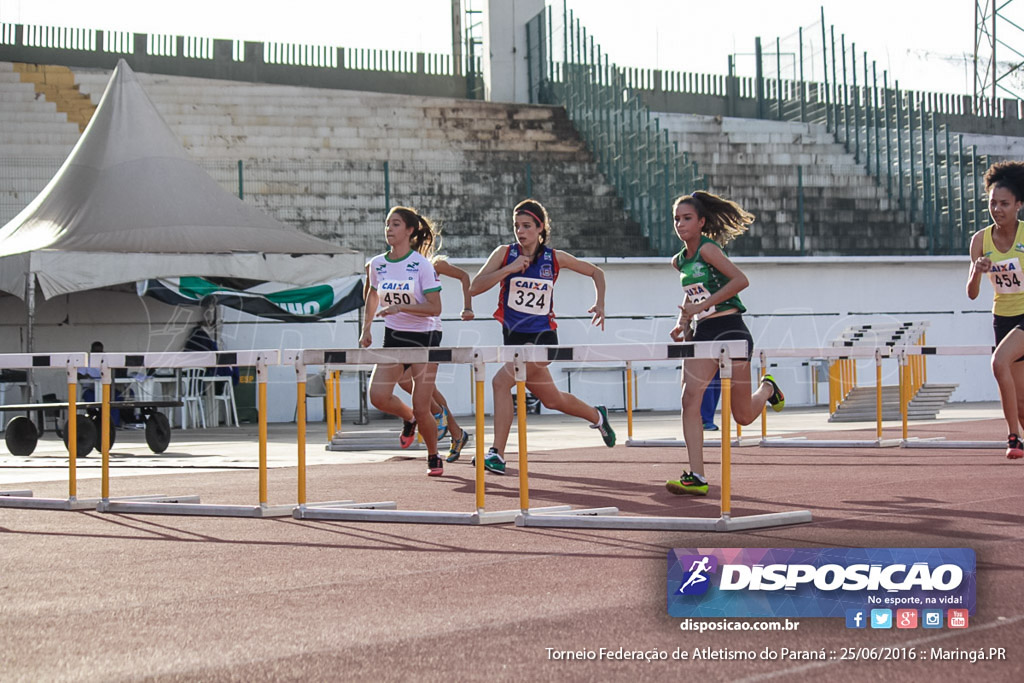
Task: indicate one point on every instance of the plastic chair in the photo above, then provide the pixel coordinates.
(225, 396)
(316, 387)
(192, 390)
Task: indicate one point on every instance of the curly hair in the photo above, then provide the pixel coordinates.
(724, 219)
(1008, 174)
(425, 237)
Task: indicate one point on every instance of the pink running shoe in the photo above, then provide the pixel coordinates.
(1014, 447)
(435, 466)
(408, 434)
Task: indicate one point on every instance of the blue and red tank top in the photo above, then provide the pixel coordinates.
(525, 300)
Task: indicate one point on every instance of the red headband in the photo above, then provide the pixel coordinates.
(531, 213)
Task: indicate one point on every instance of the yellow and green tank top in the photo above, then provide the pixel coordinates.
(1007, 274)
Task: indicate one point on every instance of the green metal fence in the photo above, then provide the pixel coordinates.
(893, 133)
(633, 153)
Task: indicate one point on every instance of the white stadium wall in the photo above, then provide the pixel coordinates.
(791, 302)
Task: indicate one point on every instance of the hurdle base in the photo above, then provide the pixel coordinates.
(801, 442)
(742, 442)
(723, 524)
(30, 502)
(188, 507)
(942, 443)
(104, 505)
(479, 517)
(24, 493)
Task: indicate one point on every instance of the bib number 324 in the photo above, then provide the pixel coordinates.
(530, 295)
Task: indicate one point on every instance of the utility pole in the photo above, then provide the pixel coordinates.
(457, 36)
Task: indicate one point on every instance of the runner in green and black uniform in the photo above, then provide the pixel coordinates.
(711, 284)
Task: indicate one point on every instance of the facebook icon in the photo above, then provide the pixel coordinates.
(856, 618)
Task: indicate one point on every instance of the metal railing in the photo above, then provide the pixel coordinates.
(894, 134)
(208, 57)
(631, 149)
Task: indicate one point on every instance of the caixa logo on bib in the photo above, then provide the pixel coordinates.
(816, 582)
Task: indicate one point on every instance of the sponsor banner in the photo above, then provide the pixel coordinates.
(817, 582)
(299, 304)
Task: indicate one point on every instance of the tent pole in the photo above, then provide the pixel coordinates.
(30, 304)
(364, 412)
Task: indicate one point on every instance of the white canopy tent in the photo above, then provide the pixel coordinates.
(129, 205)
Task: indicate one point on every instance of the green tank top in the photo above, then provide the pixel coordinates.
(700, 280)
(1006, 275)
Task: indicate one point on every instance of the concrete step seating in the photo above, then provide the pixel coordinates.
(755, 164)
(314, 158)
(860, 405)
(292, 127)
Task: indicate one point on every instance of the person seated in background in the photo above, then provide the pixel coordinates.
(203, 337)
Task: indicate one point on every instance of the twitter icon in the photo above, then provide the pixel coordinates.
(881, 618)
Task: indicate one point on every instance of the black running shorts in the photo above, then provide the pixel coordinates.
(725, 328)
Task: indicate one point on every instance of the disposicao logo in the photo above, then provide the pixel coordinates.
(697, 580)
(819, 582)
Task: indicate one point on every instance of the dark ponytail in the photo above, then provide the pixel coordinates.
(425, 238)
(534, 209)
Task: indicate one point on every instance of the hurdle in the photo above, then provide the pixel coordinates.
(602, 518)
(376, 512)
(839, 353)
(71, 362)
(190, 505)
(630, 442)
(905, 354)
(338, 440)
(296, 358)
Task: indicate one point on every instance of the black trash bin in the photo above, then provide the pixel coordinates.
(245, 395)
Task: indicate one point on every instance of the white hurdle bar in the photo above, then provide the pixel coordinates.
(916, 350)
(386, 511)
(71, 362)
(190, 505)
(604, 518)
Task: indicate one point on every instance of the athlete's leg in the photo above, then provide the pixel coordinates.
(697, 374)
(1006, 354)
(405, 384)
(423, 375)
(747, 407)
(541, 385)
(504, 410)
(439, 403)
(382, 391)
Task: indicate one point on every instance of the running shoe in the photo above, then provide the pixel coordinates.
(605, 427)
(456, 448)
(442, 423)
(435, 467)
(493, 462)
(408, 434)
(777, 400)
(1014, 447)
(710, 427)
(687, 484)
